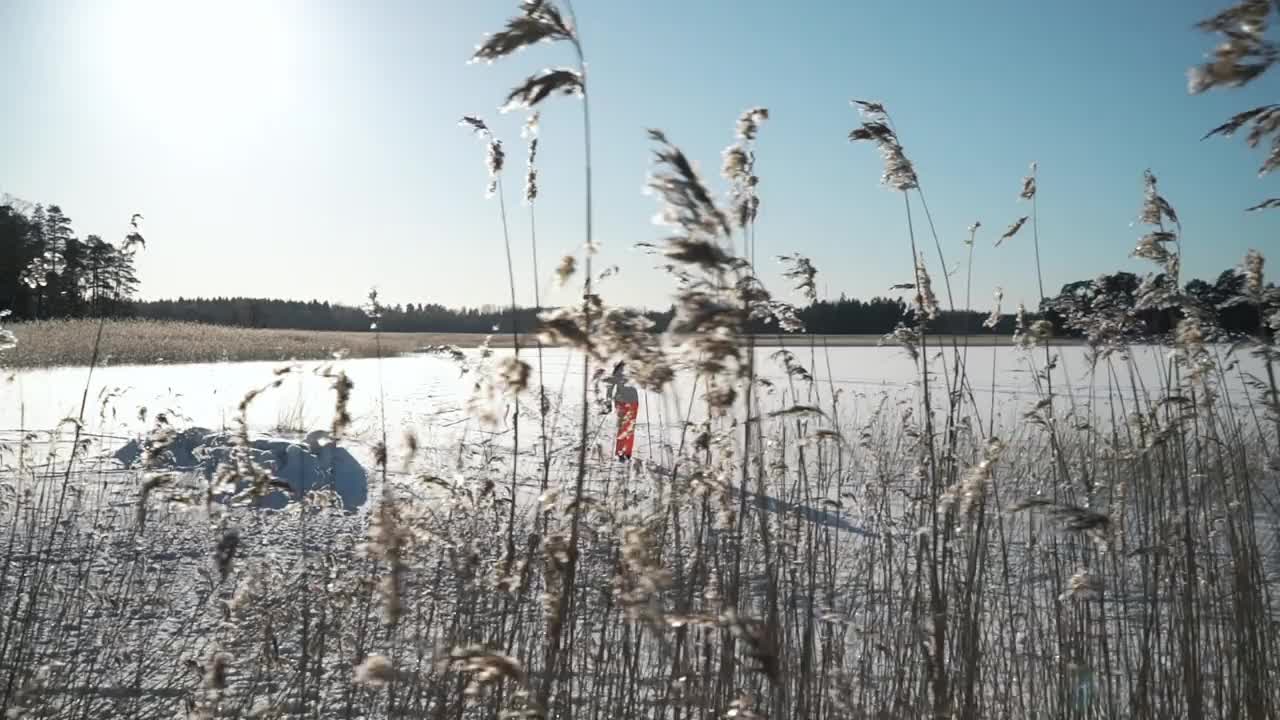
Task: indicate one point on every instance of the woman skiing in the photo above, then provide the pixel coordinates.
(626, 402)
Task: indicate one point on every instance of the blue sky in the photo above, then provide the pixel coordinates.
(309, 149)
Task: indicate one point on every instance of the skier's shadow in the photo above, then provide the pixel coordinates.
(817, 516)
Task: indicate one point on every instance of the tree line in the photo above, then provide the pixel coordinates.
(323, 315)
(46, 271)
(1106, 295)
(843, 316)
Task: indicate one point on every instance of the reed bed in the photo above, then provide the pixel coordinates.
(63, 343)
(70, 343)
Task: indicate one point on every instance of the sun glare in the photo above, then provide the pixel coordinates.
(200, 69)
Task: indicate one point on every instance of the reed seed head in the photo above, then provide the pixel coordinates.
(973, 232)
(1155, 209)
(970, 493)
(1253, 275)
(532, 125)
(1244, 54)
(376, 671)
(495, 158)
(994, 318)
(478, 126)
(1152, 247)
(514, 374)
(531, 173)
(568, 265)
(539, 87)
(899, 173)
(1083, 585)
(687, 203)
(905, 337)
(926, 303)
(1012, 230)
(486, 667)
(539, 21)
(749, 123)
(800, 270)
(1029, 185)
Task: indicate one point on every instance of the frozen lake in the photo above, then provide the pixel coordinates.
(430, 393)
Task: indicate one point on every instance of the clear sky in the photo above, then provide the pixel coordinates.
(310, 148)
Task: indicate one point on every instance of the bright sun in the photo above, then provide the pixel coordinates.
(200, 68)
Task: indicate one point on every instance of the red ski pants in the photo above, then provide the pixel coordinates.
(627, 412)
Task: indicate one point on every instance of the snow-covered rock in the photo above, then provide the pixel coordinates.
(311, 464)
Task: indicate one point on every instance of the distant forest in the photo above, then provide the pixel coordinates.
(46, 271)
(843, 316)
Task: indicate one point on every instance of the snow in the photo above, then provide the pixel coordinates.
(430, 394)
(315, 463)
